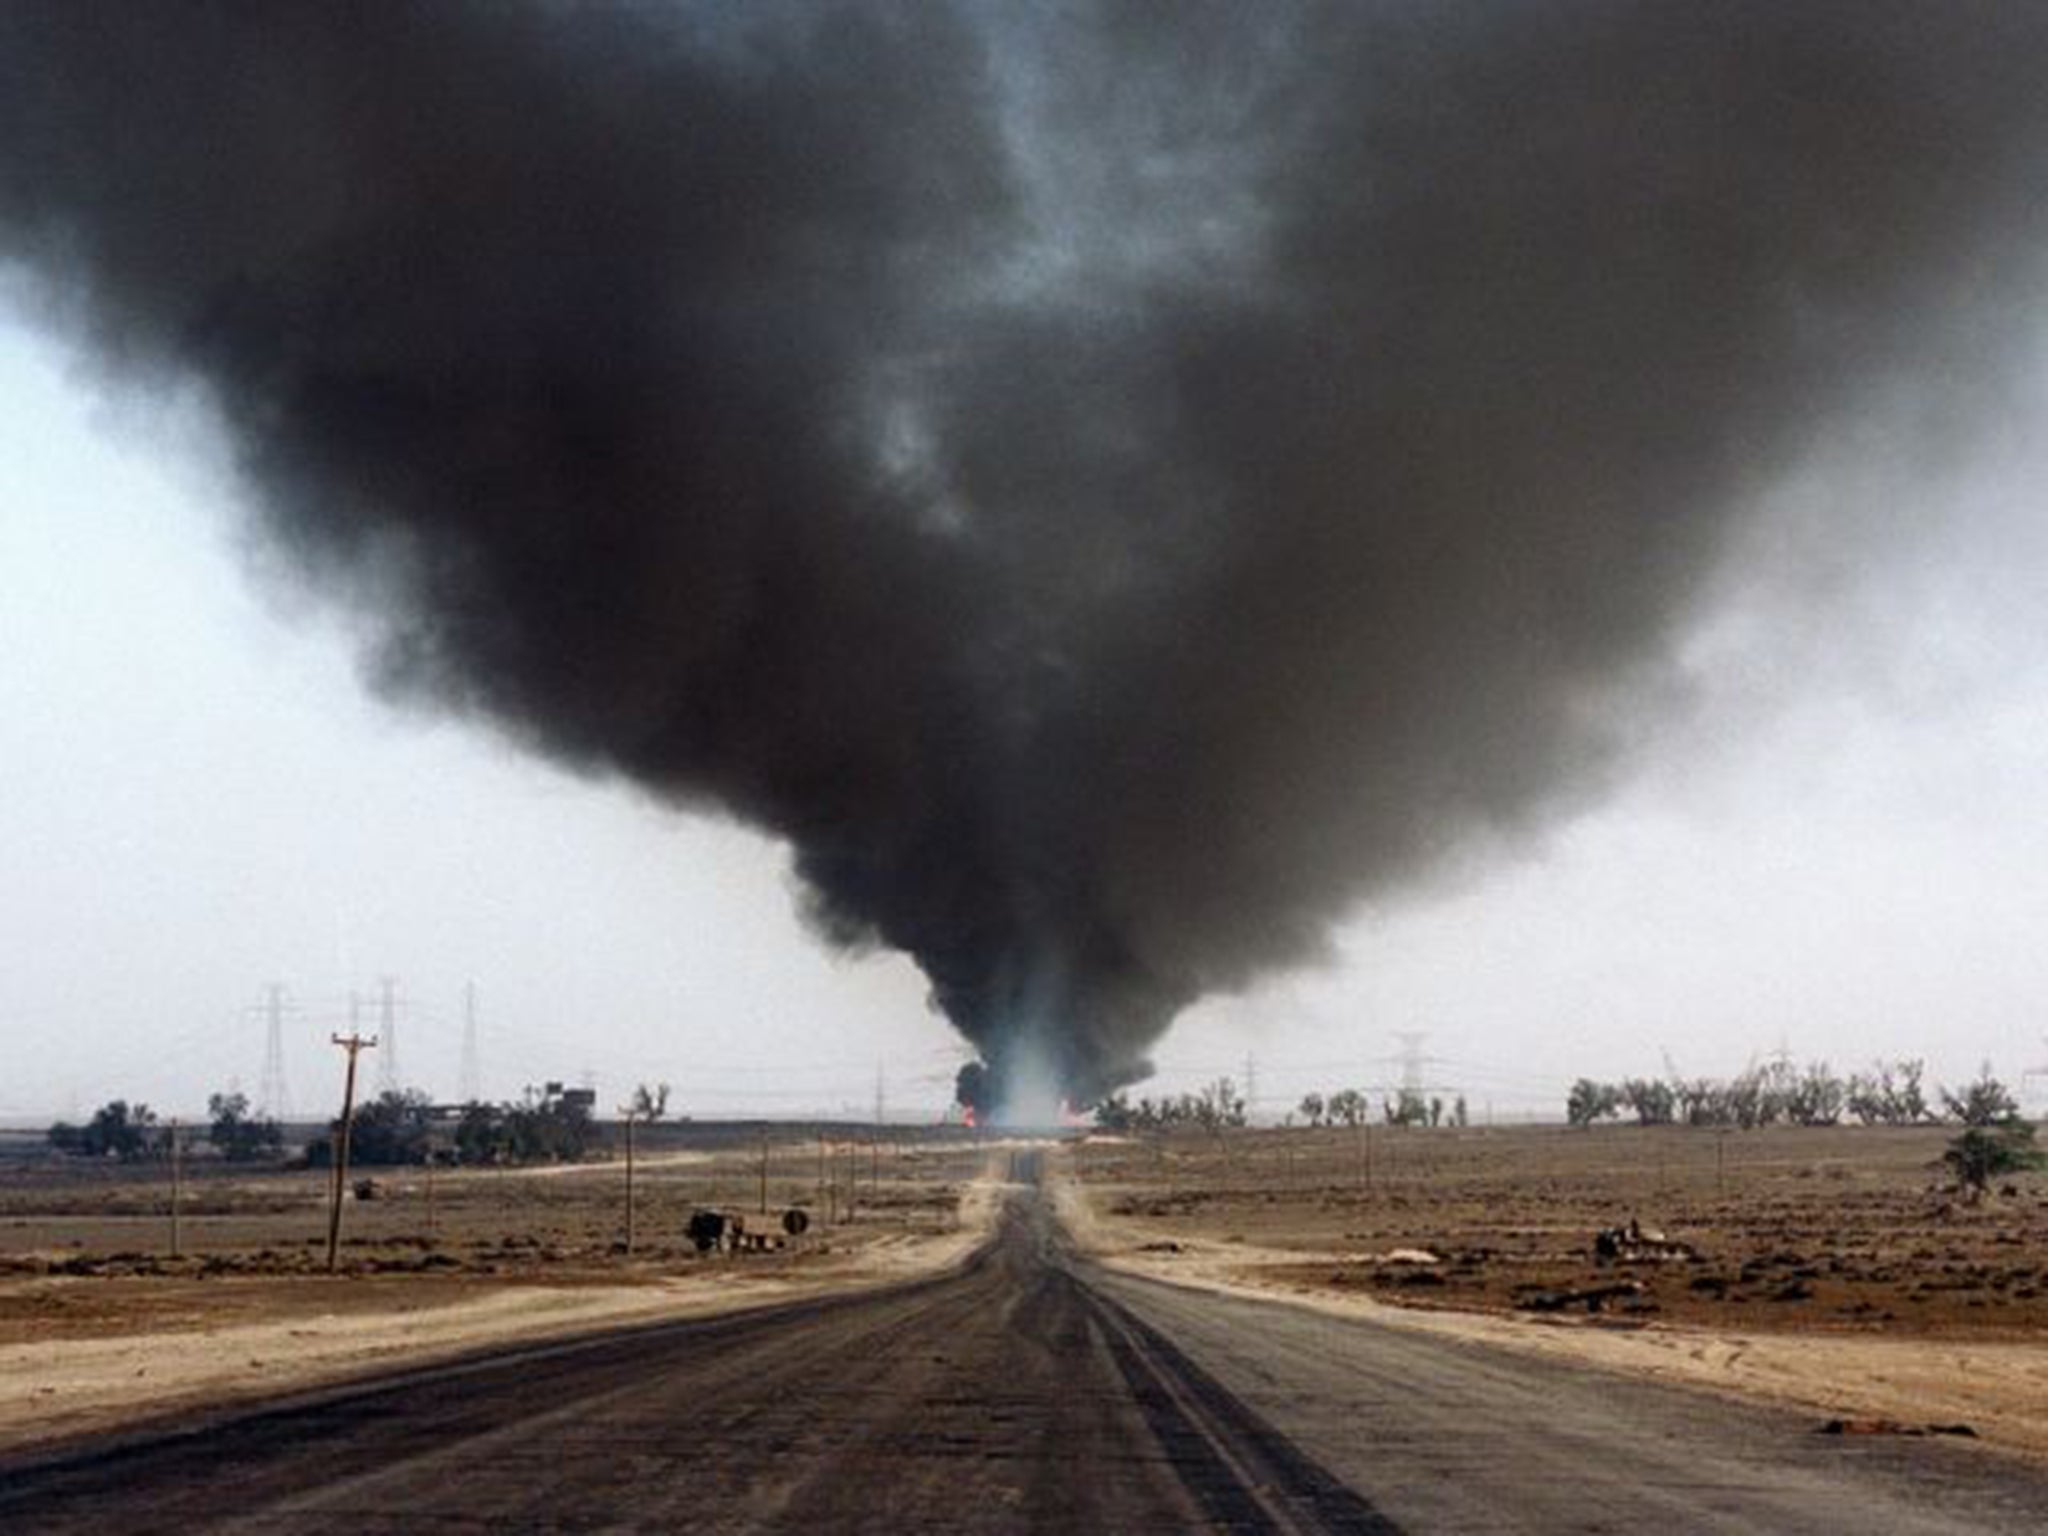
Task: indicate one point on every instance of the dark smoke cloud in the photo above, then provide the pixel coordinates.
(1113, 487)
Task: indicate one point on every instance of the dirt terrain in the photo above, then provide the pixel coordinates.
(100, 1323)
(1835, 1229)
(1024, 1390)
(1820, 1268)
(1825, 1267)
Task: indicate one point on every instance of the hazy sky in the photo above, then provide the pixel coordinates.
(1121, 492)
(1845, 852)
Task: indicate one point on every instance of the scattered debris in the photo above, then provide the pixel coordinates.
(1635, 1243)
(1593, 1298)
(1894, 1427)
(707, 1230)
(1409, 1256)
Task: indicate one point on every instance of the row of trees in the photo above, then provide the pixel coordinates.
(402, 1126)
(130, 1132)
(1778, 1093)
(1211, 1108)
(1350, 1106)
(397, 1127)
(1220, 1105)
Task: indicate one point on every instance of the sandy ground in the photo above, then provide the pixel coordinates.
(313, 1332)
(1999, 1389)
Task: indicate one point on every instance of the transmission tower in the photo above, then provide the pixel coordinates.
(2028, 1076)
(274, 1099)
(472, 1073)
(388, 1079)
(1411, 1058)
(1251, 1087)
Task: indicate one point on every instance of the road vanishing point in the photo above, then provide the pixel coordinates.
(1026, 1391)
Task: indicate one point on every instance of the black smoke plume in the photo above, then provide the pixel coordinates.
(1113, 487)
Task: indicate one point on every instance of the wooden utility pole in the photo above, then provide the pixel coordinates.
(176, 1190)
(827, 1196)
(629, 1183)
(354, 1044)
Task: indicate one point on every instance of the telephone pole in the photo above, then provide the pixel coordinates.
(177, 1189)
(354, 1044)
(630, 1112)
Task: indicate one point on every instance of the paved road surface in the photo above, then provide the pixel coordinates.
(1029, 1393)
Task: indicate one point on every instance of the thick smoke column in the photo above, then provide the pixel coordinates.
(1112, 488)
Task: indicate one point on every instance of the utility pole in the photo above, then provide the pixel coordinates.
(176, 1188)
(354, 1044)
(629, 1180)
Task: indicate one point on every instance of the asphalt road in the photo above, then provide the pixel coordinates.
(1027, 1393)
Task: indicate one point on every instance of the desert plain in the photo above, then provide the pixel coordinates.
(1829, 1268)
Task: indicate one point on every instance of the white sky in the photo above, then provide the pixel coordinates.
(1844, 850)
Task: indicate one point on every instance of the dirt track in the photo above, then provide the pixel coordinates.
(1026, 1392)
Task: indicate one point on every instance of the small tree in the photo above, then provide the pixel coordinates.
(1312, 1108)
(1407, 1107)
(1650, 1099)
(1349, 1107)
(1589, 1101)
(117, 1129)
(479, 1135)
(395, 1127)
(1986, 1152)
(648, 1103)
(1818, 1097)
(238, 1137)
(1888, 1094)
(1986, 1101)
